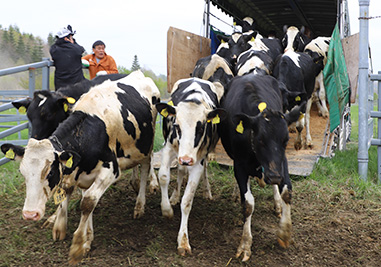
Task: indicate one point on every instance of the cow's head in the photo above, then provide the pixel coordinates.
(268, 133)
(294, 39)
(234, 45)
(45, 111)
(193, 127)
(42, 168)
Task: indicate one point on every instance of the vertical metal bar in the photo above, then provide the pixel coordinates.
(45, 75)
(207, 19)
(362, 155)
(32, 81)
(379, 131)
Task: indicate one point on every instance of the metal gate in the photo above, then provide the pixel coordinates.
(6, 97)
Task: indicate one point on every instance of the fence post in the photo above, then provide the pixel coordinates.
(32, 81)
(45, 75)
(362, 155)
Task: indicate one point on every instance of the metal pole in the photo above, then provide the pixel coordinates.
(379, 131)
(207, 19)
(362, 155)
(45, 75)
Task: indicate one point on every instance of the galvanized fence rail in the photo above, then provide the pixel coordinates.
(377, 115)
(6, 96)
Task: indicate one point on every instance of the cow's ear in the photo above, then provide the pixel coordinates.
(63, 103)
(295, 113)
(69, 159)
(13, 152)
(165, 110)
(223, 38)
(242, 122)
(216, 115)
(22, 105)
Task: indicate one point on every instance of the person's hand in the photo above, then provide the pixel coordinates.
(85, 63)
(102, 72)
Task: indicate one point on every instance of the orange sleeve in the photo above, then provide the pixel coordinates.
(112, 66)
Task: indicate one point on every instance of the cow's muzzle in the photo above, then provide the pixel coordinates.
(31, 215)
(186, 161)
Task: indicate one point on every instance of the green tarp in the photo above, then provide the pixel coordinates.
(336, 80)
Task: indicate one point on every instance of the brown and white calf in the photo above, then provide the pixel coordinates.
(190, 132)
(110, 129)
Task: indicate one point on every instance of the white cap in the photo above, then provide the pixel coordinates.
(65, 31)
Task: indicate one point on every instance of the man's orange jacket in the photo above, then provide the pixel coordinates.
(107, 63)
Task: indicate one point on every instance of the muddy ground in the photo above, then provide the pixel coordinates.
(329, 228)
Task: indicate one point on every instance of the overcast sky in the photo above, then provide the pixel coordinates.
(138, 27)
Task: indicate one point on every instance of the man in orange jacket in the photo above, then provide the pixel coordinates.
(99, 62)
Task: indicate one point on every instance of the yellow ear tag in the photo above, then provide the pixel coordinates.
(215, 120)
(239, 127)
(69, 162)
(301, 116)
(22, 110)
(70, 100)
(10, 154)
(252, 39)
(222, 41)
(234, 23)
(66, 107)
(262, 106)
(164, 113)
(59, 196)
(297, 98)
(170, 103)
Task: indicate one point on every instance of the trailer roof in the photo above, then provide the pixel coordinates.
(319, 16)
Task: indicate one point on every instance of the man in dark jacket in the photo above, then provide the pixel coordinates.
(66, 54)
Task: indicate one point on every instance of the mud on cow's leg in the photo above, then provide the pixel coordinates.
(307, 122)
(207, 193)
(299, 127)
(284, 233)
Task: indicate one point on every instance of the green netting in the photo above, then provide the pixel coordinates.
(336, 80)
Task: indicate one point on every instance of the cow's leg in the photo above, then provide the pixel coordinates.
(207, 193)
(299, 128)
(83, 235)
(164, 178)
(60, 224)
(285, 226)
(135, 181)
(247, 201)
(154, 183)
(307, 121)
(195, 173)
(141, 198)
(323, 110)
(284, 233)
(175, 197)
(277, 201)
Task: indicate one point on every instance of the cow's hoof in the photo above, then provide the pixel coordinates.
(167, 213)
(58, 234)
(246, 255)
(207, 195)
(153, 188)
(284, 243)
(175, 198)
(284, 238)
(298, 145)
(75, 256)
(138, 213)
(183, 251)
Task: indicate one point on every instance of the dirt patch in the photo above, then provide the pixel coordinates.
(329, 229)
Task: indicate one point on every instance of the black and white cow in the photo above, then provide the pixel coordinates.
(190, 132)
(318, 50)
(110, 129)
(225, 57)
(255, 136)
(294, 39)
(260, 57)
(296, 74)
